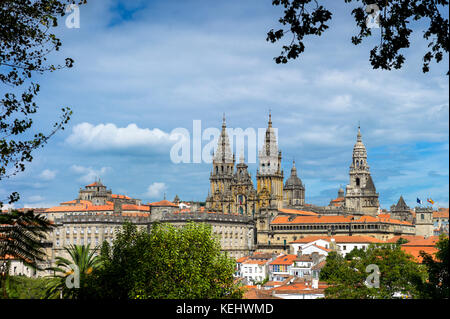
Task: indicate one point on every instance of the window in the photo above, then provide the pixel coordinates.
(357, 181)
(344, 247)
(422, 216)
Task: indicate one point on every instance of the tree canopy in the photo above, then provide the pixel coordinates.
(302, 18)
(399, 274)
(26, 41)
(168, 262)
(436, 287)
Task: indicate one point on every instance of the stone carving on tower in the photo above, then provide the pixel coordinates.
(244, 194)
(220, 197)
(269, 176)
(361, 196)
(294, 191)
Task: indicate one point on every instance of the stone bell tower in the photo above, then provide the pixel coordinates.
(361, 196)
(220, 197)
(269, 175)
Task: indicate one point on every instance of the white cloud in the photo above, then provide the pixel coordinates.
(109, 136)
(89, 174)
(156, 190)
(48, 174)
(35, 198)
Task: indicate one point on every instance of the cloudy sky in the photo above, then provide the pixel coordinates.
(145, 68)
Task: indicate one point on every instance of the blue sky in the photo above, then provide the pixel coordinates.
(144, 68)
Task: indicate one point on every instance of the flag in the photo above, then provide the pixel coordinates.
(419, 201)
(429, 200)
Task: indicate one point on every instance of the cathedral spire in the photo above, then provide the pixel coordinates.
(224, 125)
(223, 152)
(270, 119)
(358, 137)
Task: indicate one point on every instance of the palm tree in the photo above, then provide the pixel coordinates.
(81, 263)
(22, 235)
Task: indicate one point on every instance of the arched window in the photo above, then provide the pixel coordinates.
(241, 210)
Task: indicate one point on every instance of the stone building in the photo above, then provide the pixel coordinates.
(361, 196)
(401, 211)
(424, 221)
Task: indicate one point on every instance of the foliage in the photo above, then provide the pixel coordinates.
(167, 262)
(21, 236)
(436, 287)
(21, 287)
(25, 43)
(309, 18)
(84, 259)
(399, 273)
(402, 241)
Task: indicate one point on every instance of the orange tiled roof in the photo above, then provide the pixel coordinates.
(415, 251)
(339, 199)
(135, 207)
(256, 261)
(254, 293)
(163, 203)
(82, 201)
(120, 196)
(299, 288)
(242, 259)
(93, 184)
(80, 208)
(299, 212)
(441, 213)
(421, 241)
(339, 239)
(334, 219)
(284, 260)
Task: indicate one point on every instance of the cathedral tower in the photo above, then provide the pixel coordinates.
(220, 197)
(361, 195)
(269, 176)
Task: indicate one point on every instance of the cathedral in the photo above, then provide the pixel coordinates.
(278, 210)
(232, 189)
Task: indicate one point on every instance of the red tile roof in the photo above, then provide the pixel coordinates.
(442, 213)
(284, 260)
(164, 203)
(334, 219)
(298, 212)
(338, 239)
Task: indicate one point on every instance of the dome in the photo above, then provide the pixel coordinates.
(293, 180)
